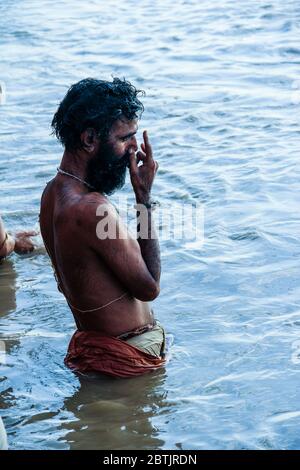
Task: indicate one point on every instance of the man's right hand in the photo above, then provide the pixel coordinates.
(142, 176)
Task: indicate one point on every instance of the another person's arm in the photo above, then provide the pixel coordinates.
(20, 243)
(7, 242)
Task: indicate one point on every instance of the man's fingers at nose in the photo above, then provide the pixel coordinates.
(148, 148)
(141, 156)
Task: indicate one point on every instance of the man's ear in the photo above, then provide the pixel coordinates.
(89, 139)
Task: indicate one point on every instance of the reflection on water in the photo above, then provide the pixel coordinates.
(7, 287)
(116, 414)
(222, 110)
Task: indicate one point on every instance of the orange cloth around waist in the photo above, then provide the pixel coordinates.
(93, 351)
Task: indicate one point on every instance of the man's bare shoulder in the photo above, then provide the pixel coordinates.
(90, 210)
(89, 206)
(94, 198)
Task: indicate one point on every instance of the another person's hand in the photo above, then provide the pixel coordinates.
(7, 245)
(23, 244)
(142, 176)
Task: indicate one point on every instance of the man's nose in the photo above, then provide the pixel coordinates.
(133, 143)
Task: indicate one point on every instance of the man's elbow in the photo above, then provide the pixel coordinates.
(148, 294)
(154, 292)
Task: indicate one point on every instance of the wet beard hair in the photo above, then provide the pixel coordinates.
(106, 172)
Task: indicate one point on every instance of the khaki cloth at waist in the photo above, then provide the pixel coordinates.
(151, 342)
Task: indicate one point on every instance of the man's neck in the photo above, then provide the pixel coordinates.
(74, 163)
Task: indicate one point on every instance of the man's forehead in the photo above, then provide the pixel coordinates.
(124, 126)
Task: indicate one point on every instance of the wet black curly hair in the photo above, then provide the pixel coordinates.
(96, 104)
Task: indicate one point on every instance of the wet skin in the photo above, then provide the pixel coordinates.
(93, 272)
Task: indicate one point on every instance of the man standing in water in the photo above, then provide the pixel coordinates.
(107, 282)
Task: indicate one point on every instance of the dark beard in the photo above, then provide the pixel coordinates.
(106, 172)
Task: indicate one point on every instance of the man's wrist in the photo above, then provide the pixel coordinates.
(151, 205)
(145, 199)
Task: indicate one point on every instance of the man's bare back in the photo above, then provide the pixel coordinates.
(107, 282)
(84, 277)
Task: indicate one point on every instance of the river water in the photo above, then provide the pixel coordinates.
(222, 109)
